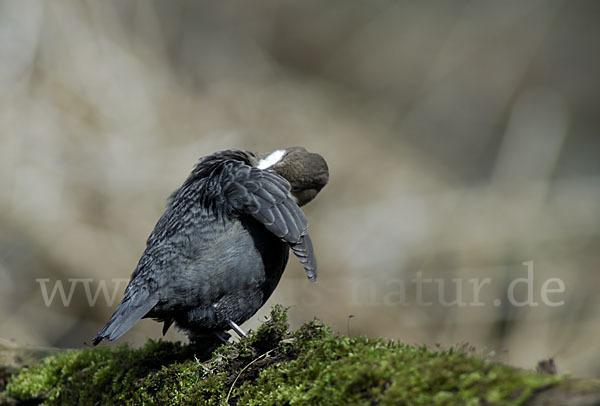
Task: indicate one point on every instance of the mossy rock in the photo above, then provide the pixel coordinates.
(274, 366)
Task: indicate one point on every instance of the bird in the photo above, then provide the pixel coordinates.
(219, 250)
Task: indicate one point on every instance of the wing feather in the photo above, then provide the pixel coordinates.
(264, 195)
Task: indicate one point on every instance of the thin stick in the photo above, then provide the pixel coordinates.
(242, 371)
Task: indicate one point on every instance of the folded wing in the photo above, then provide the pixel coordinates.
(265, 196)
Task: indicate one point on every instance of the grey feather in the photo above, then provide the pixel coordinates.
(129, 312)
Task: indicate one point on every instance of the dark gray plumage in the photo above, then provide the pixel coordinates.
(220, 248)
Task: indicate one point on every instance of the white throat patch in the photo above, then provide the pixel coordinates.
(271, 159)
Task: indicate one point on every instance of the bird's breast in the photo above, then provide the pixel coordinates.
(222, 257)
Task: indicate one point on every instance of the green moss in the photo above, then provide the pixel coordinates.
(91, 375)
(341, 370)
(272, 367)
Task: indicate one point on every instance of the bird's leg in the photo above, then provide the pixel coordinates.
(223, 337)
(238, 330)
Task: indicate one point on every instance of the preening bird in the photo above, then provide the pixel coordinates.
(219, 250)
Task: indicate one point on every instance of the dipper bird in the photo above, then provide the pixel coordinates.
(219, 250)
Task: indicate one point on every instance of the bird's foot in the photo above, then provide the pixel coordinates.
(238, 330)
(224, 337)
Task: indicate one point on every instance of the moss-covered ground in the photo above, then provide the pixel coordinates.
(273, 366)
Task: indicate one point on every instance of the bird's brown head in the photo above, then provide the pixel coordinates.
(306, 171)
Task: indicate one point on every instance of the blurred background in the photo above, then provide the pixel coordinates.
(462, 140)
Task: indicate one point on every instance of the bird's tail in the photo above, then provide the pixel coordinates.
(131, 309)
